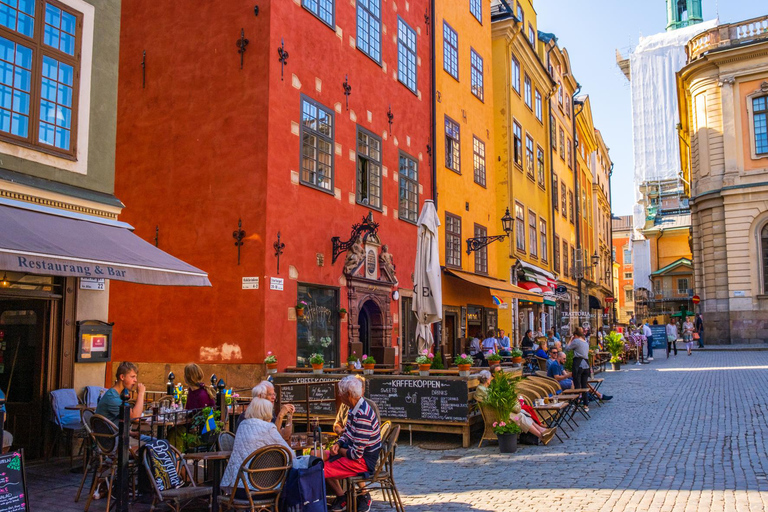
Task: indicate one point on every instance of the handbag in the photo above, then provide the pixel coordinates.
(696, 336)
(671, 338)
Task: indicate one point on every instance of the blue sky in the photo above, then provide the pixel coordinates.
(592, 30)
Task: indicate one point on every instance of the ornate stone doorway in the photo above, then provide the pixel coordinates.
(371, 327)
(370, 319)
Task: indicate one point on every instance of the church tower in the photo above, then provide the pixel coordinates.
(683, 13)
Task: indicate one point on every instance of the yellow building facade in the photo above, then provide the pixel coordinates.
(522, 89)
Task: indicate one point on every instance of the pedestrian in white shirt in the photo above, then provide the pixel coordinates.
(649, 337)
(671, 337)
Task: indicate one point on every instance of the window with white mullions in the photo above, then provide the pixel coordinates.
(316, 145)
(481, 255)
(323, 9)
(476, 8)
(450, 51)
(476, 67)
(518, 144)
(533, 234)
(452, 240)
(520, 227)
(369, 28)
(452, 146)
(760, 121)
(39, 66)
(540, 166)
(368, 169)
(406, 55)
(409, 188)
(529, 156)
(539, 107)
(543, 238)
(528, 92)
(515, 72)
(478, 157)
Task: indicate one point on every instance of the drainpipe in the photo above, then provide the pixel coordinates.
(434, 106)
(613, 259)
(552, 191)
(576, 185)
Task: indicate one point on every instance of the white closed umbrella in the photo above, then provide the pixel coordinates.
(428, 291)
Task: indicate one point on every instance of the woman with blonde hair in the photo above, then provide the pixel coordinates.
(199, 394)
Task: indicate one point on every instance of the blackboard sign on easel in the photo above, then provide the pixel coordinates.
(13, 483)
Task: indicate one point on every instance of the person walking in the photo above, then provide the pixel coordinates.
(581, 369)
(699, 329)
(671, 337)
(688, 328)
(649, 337)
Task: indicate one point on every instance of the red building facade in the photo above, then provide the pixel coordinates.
(321, 124)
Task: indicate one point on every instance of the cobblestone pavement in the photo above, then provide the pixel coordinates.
(684, 434)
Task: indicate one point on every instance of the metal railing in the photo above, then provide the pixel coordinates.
(727, 35)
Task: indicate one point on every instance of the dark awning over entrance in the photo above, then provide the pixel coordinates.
(41, 241)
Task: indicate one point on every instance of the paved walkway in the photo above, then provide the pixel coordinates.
(684, 434)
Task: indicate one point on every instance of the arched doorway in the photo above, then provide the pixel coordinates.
(370, 327)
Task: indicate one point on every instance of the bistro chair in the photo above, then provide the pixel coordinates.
(262, 475)
(104, 434)
(382, 476)
(92, 395)
(175, 497)
(489, 417)
(67, 421)
(85, 418)
(225, 441)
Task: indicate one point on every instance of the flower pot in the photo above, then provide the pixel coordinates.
(299, 312)
(507, 443)
(271, 368)
(493, 364)
(616, 366)
(350, 366)
(424, 369)
(343, 316)
(368, 369)
(317, 368)
(464, 370)
(517, 360)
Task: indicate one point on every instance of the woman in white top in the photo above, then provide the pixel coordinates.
(254, 432)
(671, 336)
(688, 334)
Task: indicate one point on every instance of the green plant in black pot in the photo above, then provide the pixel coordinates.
(615, 345)
(502, 398)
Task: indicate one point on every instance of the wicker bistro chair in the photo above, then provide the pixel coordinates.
(88, 448)
(104, 435)
(382, 477)
(225, 441)
(175, 498)
(262, 475)
(489, 417)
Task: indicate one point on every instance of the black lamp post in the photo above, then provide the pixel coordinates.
(477, 243)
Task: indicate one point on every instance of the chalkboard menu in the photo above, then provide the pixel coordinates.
(13, 485)
(319, 389)
(420, 399)
(659, 336)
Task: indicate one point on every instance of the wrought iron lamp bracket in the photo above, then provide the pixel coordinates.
(366, 228)
(477, 243)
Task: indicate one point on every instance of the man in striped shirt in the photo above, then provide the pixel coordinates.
(357, 449)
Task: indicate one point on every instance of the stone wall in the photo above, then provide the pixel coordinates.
(238, 376)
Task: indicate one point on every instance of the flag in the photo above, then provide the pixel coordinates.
(178, 391)
(497, 300)
(210, 424)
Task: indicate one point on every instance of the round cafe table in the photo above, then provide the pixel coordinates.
(217, 460)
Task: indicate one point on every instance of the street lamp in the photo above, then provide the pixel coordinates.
(595, 259)
(477, 243)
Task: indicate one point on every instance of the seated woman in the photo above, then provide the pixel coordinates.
(255, 431)
(526, 423)
(481, 391)
(542, 352)
(527, 343)
(199, 394)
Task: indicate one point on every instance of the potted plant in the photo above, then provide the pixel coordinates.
(342, 314)
(425, 362)
(317, 361)
(493, 360)
(615, 345)
(368, 364)
(271, 362)
(502, 397)
(351, 360)
(300, 309)
(464, 362)
(517, 356)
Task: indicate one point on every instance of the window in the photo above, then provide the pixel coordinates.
(764, 259)
(570, 206)
(318, 330)
(476, 74)
(406, 55)
(516, 74)
(556, 255)
(452, 240)
(369, 28)
(409, 188)
(565, 203)
(760, 120)
(450, 51)
(568, 156)
(316, 145)
(520, 13)
(452, 149)
(519, 227)
(573, 258)
(368, 169)
(543, 233)
(627, 255)
(476, 8)
(531, 35)
(566, 268)
(481, 255)
(528, 92)
(555, 193)
(682, 286)
(323, 9)
(629, 295)
(568, 106)
(529, 155)
(540, 166)
(478, 157)
(39, 70)
(562, 144)
(533, 234)
(627, 275)
(553, 131)
(560, 93)
(518, 135)
(539, 112)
